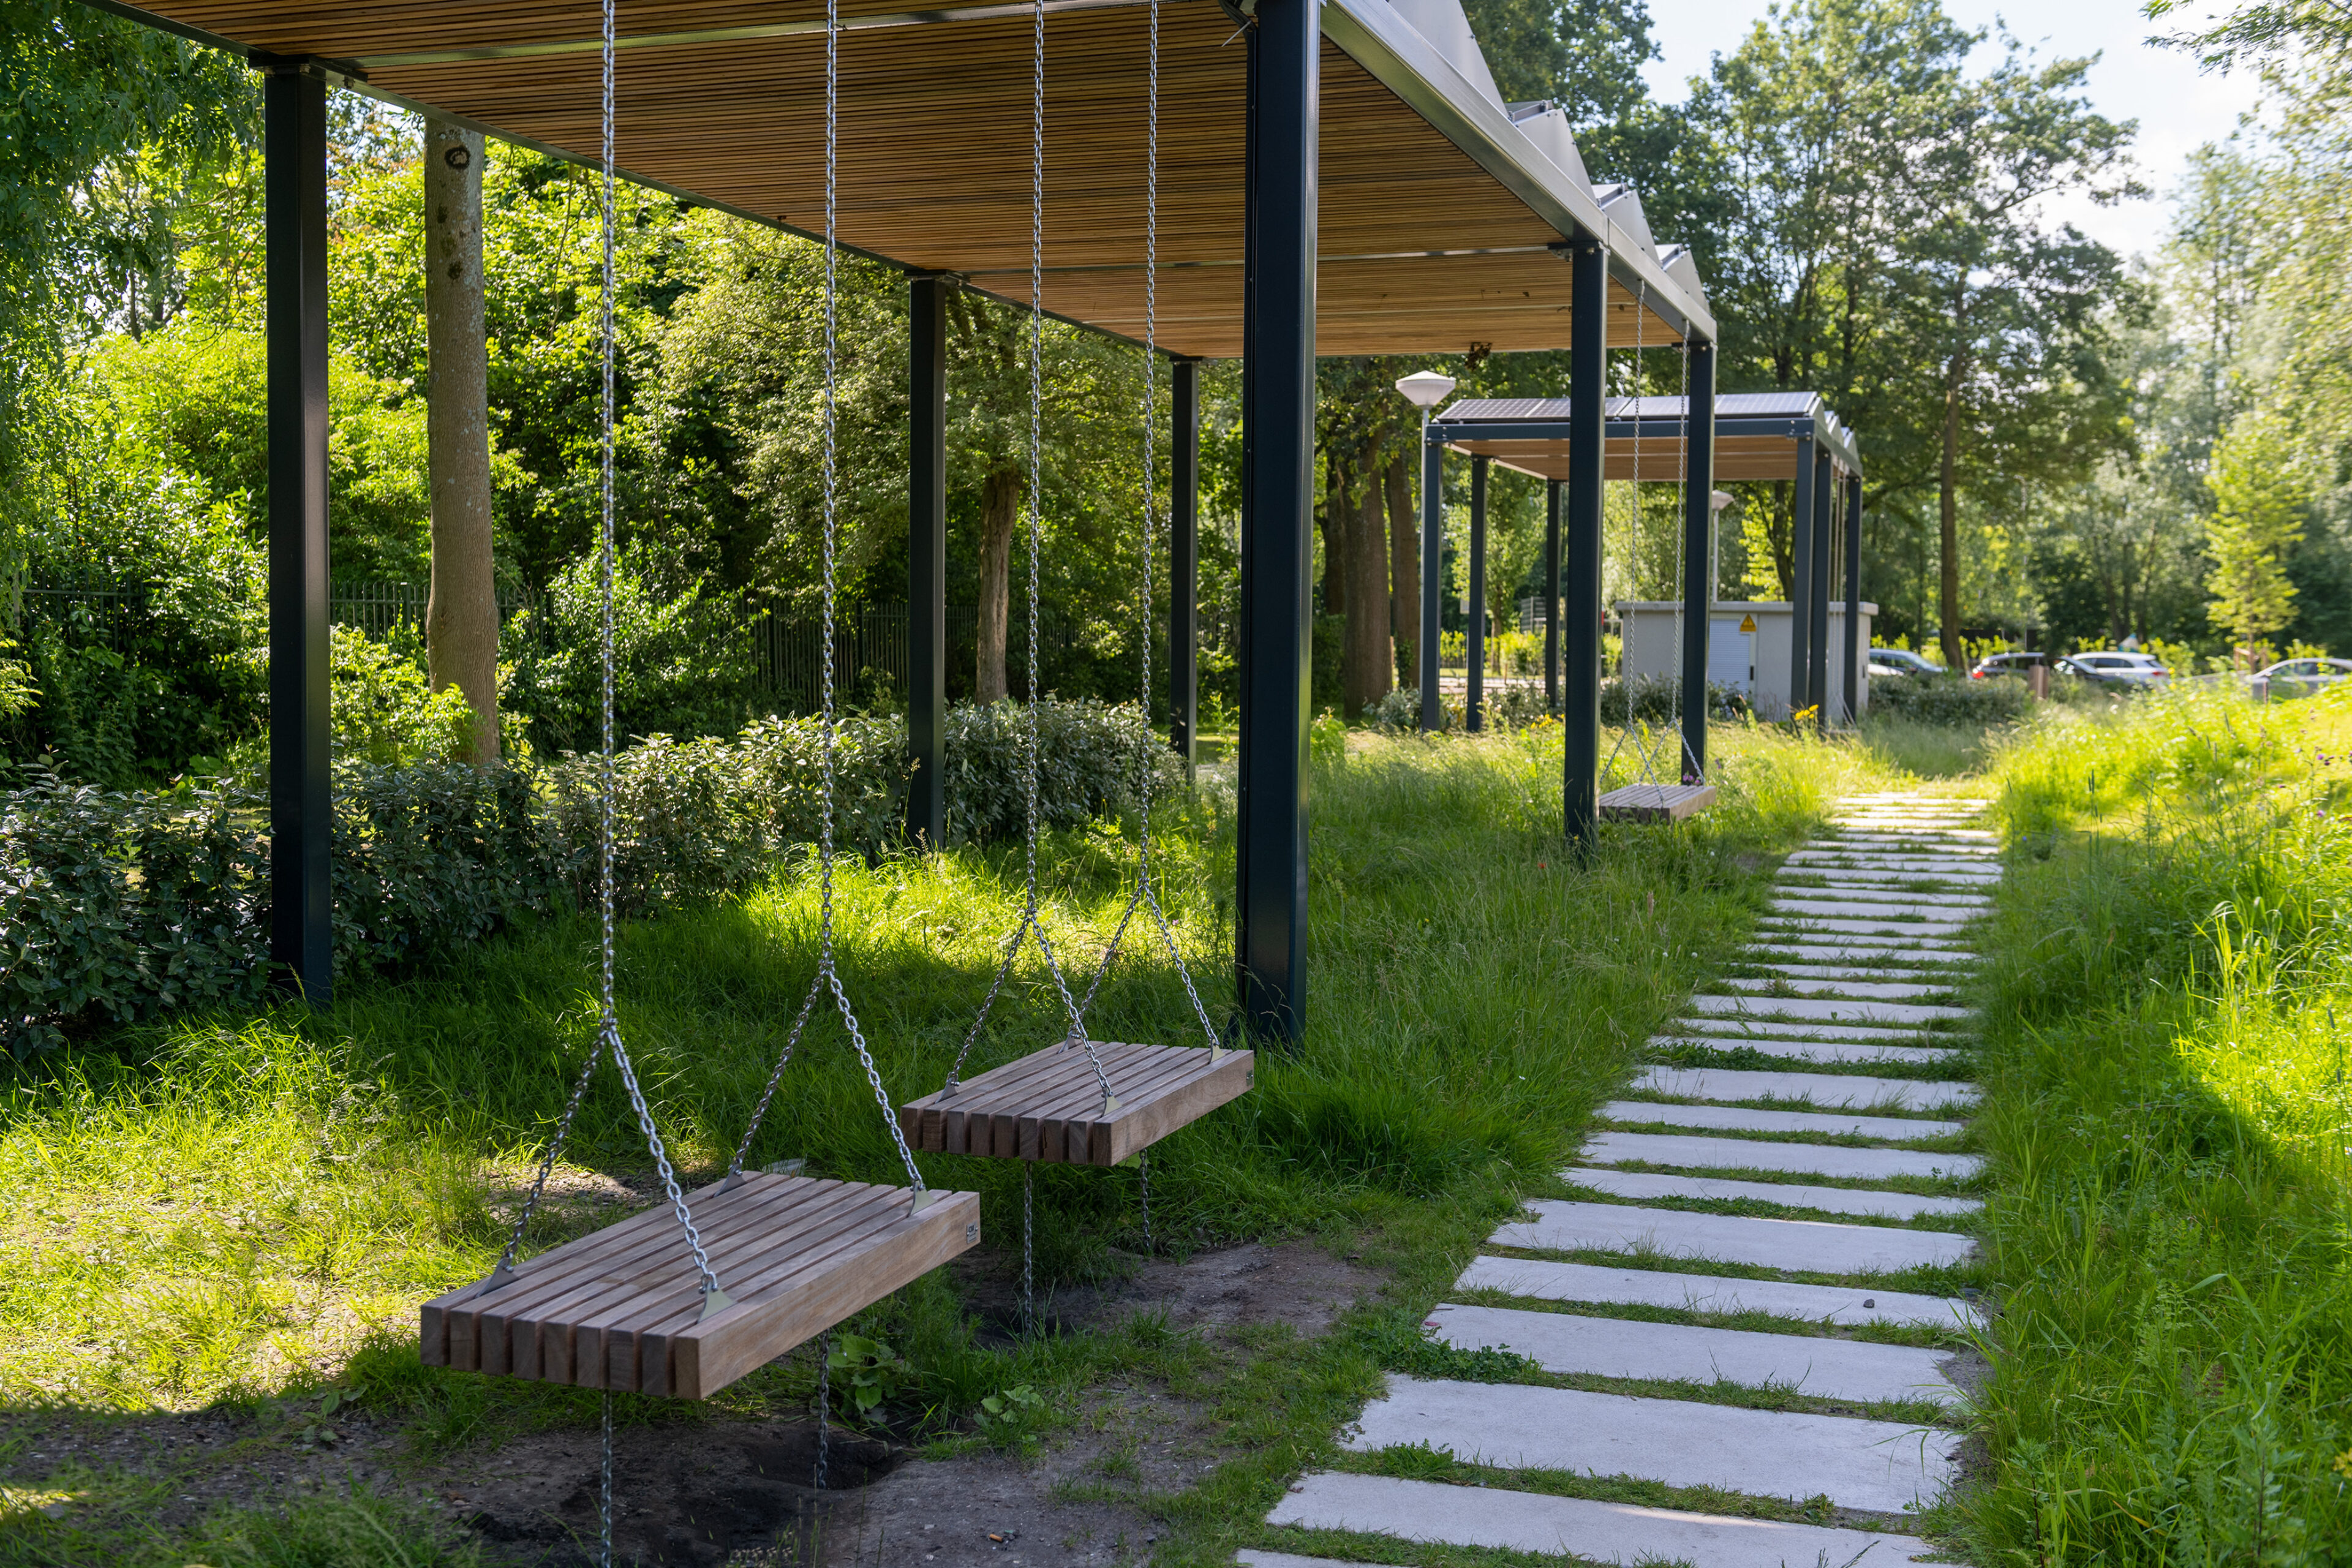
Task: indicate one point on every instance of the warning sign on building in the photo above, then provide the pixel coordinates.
(1747, 622)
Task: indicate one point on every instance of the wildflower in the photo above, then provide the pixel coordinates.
(2343, 1464)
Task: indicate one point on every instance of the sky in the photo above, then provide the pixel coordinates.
(2178, 107)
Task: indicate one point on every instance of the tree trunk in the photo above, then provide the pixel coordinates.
(1337, 507)
(1948, 537)
(461, 616)
(1368, 657)
(1000, 507)
(1404, 572)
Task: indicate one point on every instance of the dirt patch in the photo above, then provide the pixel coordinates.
(742, 1494)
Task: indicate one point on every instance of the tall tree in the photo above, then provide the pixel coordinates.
(461, 616)
(2260, 505)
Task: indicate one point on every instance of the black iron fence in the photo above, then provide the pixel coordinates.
(107, 610)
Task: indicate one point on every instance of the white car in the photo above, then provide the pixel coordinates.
(2116, 668)
(2304, 676)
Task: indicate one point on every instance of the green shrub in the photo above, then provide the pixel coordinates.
(1091, 759)
(385, 710)
(434, 854)
(1653, 700)
(1946, 699)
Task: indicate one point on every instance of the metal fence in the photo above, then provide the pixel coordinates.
(107, 609)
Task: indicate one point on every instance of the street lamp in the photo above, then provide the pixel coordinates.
(1425, 389)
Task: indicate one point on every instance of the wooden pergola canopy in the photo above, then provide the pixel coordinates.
(1441, 208)
(1758, 434)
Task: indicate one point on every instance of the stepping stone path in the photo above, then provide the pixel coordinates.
(1852, 970)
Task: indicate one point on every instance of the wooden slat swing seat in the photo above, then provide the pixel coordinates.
(1656, 803)
(768, 1260)
(1084, 1101)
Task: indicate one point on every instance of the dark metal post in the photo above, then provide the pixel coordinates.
(1817, 642)
(1580, 694)
(1698, 535)
(1801, 571)
(927, 558)
(1475, 617)
(1278, 509)
(1184, 560)
(1551, 596)
(302, 798)
(1432, 573)
(1855, 648)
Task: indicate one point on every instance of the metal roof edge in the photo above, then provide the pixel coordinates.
(1376, 39)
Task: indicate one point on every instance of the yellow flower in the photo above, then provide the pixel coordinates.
(2343, 1464)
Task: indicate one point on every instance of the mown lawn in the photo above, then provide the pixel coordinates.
(243, 1211)
(2167, 1116)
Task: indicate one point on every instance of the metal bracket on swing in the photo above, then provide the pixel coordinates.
(714, 1301)
(924, 1198)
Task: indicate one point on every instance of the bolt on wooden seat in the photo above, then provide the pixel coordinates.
(622, 1308)
(1656, 803)
(1048, 1106)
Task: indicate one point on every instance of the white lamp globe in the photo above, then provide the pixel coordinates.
(1425, 388)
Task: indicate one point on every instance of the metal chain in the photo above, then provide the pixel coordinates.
(604, 1494)
(1691, 771)
(828, 974)
(823, 1408)
(1143, 1170)
(1028, 1247)
(1634, 731)
(1146, 892)
(547, 1161)
(1032, 924)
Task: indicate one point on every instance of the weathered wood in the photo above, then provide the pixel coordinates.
(1656, 802)
(621, 1308)
(1048, 1106)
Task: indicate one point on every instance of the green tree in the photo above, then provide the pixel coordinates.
(2259, 509)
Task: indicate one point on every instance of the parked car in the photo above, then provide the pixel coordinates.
(1902, 661)
(2304, 676)
(2136, 670)
(1999, 664)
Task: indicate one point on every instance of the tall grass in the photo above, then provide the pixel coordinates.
(2167, 1119)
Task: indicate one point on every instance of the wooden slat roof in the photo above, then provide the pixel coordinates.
(1438, 216)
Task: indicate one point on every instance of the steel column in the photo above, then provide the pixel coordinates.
(1855, 649)
(927, 558)
(1473, 613)
(1184, 560)
(1588, 374)
(301, 797)
(1551, 596)
(1433, 574)
(1698, 533)
(1817, 641)
(1801, 571)
(1277, 511)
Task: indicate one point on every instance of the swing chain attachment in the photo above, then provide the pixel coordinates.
(827, 979)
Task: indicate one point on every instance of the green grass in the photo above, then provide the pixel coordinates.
(246, 1210)
(2170, 1213)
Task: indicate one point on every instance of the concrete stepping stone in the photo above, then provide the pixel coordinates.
(1626, 1347)
(1248, 1558)
(1817, 1029)
(1835, 1009)
(1695, 1152)
(1789, 925)
(1885, 1466)
(1878, 889)
(1749, 1118)
(1804, 1245)
(1609, 1533)
(1824, 1090)
(1858, 949)
(1858, 990)
(1875, 968)
(1939, 912)
(1947, 841)
(1802, 1051)
(1541, 1279)
(1866, 1201)
(1956, 857)
(1814, 863)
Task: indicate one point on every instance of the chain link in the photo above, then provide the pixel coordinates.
(823, 1408)
(604, 1494)
(1028, 1249)
(1143, 1170)
(1691, 770)
(547, 1161)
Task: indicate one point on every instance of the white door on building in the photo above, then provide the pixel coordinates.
(1731, 655)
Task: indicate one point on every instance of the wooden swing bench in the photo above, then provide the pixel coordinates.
(622, 1308)
(1048, 1106)
(1656, 803)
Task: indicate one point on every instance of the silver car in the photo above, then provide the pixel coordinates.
(2115, 668)
(2304, 677)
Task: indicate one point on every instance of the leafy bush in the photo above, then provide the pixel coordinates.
(385, 710)
(1653, 699)
(1942, 700)
(434, 854)
(1091, 757)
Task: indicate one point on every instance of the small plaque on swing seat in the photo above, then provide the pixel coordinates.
(1656, 803)
(1048, 1105)
(622, 1308)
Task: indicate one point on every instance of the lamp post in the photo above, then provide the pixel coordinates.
(1425, 389)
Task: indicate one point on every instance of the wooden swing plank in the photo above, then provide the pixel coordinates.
(1656, 803)
(622, 1308)
(1047, 1105)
